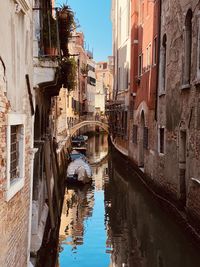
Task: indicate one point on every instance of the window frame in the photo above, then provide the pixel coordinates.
(140, 65)
(159, 140)
(155, 55)
(18, 182)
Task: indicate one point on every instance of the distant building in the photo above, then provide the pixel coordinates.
(91, 85)
(104, 73)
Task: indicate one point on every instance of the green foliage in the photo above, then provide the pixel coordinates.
(69, 73)
(49, 30)
(67, 25)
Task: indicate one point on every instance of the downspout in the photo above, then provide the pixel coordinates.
(32, 156)
(158, 57)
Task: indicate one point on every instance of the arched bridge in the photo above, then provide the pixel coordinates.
(81, 124)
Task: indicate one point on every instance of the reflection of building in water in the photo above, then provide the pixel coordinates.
(100, 174)
(77, 206)
(97, 147)
(141, 234)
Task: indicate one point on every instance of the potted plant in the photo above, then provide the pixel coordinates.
(49, 34)
(66, 26)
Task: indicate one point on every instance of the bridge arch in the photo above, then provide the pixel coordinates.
(81, 124)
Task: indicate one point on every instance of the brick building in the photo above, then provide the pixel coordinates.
(144, 68)
(16, 128)
(164, 97)
(178, 103)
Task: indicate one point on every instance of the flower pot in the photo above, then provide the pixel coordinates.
(53, 51)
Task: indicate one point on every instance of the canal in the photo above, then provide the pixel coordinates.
(115, 222)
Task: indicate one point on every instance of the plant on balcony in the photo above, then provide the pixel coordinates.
(69, 72)
(84, 70)
(49, 34)
(67, 25)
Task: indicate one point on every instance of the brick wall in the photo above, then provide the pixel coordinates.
(14, 214)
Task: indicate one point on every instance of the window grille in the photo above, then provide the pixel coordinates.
(14, 152)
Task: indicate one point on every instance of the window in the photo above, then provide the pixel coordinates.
(140, 65)
(161, 140)
(135, 132)
(119, 78)
(187, 48)
(146, 137)
(155, 51)
(142, 14)
(148, 56)
(15, 154)
(162, 68)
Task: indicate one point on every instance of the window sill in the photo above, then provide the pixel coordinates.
(195, 181)
(185, 86)
(161, 154)
(162, 93)
(197, 82)
(15, 187)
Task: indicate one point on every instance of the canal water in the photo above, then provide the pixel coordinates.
(115, 222)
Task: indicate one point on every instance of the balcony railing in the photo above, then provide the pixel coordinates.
(47, 32)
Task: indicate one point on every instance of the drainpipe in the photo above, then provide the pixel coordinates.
(32, 156)
(158, 57)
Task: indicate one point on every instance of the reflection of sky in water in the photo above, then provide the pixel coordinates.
(93, 250)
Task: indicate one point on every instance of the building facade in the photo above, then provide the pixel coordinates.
(144, 76)
(120, 16)
(178, 103)
(104, 74)
(16, 127)
(163, 131)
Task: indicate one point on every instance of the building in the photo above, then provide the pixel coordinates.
(120, 15)
(163, 131)
(144, 78)
(178, 104)
(16, 127)
(91, 85)
(52, 69)
(104, 74)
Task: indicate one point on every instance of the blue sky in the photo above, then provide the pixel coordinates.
(94, 20)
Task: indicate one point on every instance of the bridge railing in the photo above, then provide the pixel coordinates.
(93, 118)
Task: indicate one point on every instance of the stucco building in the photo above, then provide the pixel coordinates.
(145, 21)
(120, 16)
(16, 128)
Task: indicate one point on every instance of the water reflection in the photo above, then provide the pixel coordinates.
(141, 233)
(82, 231)
(117, 223)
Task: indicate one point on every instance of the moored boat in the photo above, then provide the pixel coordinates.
(79, 171)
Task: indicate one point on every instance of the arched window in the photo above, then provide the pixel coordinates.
(187, 48)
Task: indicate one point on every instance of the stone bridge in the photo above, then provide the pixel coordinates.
(81, 124)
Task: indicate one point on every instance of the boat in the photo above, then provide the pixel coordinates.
(79, 143)
(79, 170)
